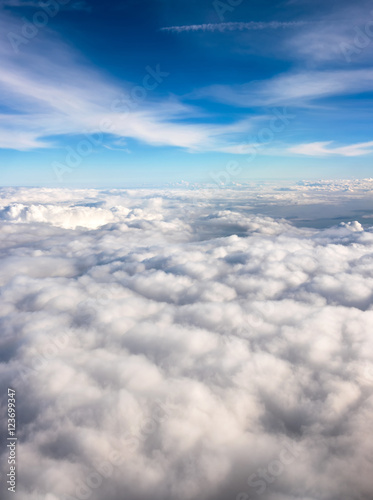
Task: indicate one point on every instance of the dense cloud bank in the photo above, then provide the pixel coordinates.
(172, 345)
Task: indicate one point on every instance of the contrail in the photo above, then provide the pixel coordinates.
(252, 25)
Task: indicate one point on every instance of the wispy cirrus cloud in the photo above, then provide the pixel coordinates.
(238, 26)
(333, 38)
(297, 89)
(57, 93)
(324, 149)
(81, 5)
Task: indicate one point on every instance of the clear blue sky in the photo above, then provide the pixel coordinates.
(156, 91)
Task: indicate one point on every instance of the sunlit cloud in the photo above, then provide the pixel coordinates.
(52, 94)
(325, 149)
(159, 336)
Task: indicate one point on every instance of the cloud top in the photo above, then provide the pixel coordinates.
(170, 344)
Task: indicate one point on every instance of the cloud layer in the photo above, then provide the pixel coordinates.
(171, 345)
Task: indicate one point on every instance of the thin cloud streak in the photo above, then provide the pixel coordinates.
(252, 25)
(296, 89)
(322, 149)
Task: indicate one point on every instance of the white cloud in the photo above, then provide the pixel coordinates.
(342, 36)
(295, 89)
(238, 26)
(50, 93)
(203, 344)
(323, 149)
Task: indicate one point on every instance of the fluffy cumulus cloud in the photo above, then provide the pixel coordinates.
(175, 345)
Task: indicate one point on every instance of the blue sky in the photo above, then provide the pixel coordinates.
(150, 92)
